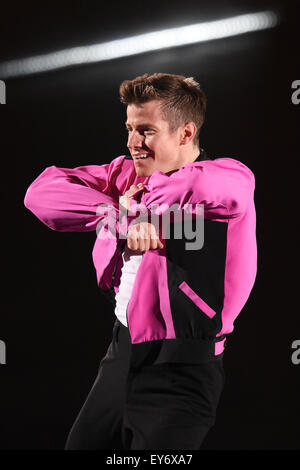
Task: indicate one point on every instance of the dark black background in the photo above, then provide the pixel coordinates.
(55, 323)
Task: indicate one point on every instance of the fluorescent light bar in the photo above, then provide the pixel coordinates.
(142, 43)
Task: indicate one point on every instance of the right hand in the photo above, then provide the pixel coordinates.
(143, 237)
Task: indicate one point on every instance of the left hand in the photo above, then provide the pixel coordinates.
(125, 199)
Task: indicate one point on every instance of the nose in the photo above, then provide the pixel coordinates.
(135, 140)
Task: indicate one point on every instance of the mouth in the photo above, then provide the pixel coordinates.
(142, 156)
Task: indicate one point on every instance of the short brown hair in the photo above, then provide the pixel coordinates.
(182, 98)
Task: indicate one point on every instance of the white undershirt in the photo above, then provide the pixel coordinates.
(131, 262)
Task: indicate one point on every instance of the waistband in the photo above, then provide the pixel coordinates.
(179, 350)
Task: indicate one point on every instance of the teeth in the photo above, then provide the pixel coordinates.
(141, 156)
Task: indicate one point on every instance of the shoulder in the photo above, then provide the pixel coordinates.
(124, 163)
(225, 164)
(122, 168)
(120, 164)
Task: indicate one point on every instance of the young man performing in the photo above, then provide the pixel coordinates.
(160, 382)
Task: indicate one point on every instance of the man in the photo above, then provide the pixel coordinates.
(160, 382)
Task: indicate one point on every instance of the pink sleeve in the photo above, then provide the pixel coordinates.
(224, 186)
(67, 200)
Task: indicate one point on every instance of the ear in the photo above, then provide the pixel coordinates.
(188, 132)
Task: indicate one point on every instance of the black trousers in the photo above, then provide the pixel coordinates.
(163, 406)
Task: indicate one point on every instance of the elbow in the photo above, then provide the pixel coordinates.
(29, 199)
(33, 202)
(34, 194)
(38, 201)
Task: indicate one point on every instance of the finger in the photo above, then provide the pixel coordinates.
(153, 244)
(147, 243)
(154, 236)
(133, 188)
(144, 236)
(141, 244)
(160, 244)
(156, 244)
(132, 243)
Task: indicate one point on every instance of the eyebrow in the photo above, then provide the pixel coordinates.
(144, 124)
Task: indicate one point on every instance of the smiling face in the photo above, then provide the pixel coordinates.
(149, 134)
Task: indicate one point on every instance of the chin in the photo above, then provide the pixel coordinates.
(144, 173)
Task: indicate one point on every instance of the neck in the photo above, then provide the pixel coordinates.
(191, 156)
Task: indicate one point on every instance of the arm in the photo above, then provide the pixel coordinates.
(224, 186)
(67, 200)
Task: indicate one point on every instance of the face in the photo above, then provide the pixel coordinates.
(149, 134)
